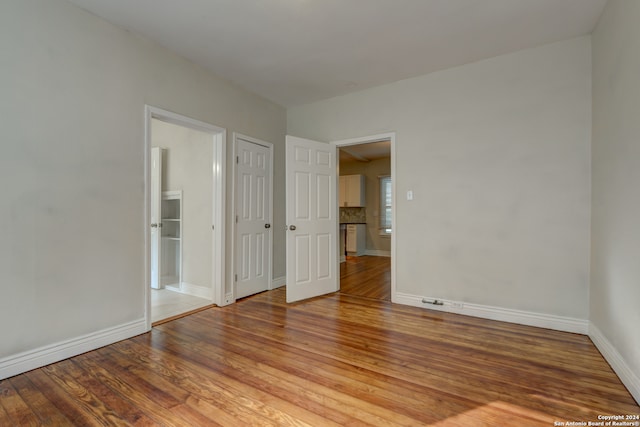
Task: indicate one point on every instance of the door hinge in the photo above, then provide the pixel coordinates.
(236, 219)
(237, 159)
(236, 277)
(213, 227)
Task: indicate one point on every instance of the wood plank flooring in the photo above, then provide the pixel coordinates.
(366, 276)
(333, 360)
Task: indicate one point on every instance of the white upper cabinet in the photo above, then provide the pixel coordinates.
(352, 193)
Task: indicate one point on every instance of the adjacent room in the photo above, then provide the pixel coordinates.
(365, 201)
(320, 212)
(182, 244)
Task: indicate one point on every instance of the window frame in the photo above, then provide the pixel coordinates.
(386, 210)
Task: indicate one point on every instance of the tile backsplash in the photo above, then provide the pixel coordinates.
(353, 215)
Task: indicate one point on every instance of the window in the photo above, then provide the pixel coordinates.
(385, 205)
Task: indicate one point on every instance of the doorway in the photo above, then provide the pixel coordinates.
(367, 216)
(185, 163)
(312, 218)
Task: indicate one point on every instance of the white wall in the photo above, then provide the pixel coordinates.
(371, 170)
(72, 165)
(187, 166)
(615, 254)
(497, 154)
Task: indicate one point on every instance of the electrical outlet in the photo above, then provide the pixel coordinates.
(457, 304)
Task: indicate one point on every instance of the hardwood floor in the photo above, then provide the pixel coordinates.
(366, 276)
(333, 360)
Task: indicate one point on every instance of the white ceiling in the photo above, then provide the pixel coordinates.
(365, 152)
(299, 51)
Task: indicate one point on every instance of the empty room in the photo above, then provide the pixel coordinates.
(305, 212)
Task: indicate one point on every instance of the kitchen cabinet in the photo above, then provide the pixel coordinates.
(356, 239)
(343, 238)
(352, 191)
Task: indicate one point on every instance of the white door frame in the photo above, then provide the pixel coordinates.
(230, 297)
(391, 136)
(219, 138)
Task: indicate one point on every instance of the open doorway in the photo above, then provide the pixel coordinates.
(366, 207)
(185, 213)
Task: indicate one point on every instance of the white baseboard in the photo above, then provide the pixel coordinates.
(228, 299)
(376, 252)
(28, 360)
(629, 378)
(196, 290)
(278, 282)
(541, 320)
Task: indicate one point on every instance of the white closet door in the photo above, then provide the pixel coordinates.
(253, 211)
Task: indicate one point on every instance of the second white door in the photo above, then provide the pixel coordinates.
(253, 217)
(312, 223)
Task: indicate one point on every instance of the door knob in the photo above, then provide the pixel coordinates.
(292, 227)
(267, 226)
(154, 225)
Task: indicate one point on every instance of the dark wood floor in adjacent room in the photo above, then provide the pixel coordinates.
(366, 276)
(333, 360)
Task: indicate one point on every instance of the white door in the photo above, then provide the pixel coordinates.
(253, 210)
(156, 215)
(312, 225)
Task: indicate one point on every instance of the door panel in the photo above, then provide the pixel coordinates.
(323, 192)
(253, 209)
(259, 270)
(303, 262)
(302, 190)
(324, 256)
(311, 218)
